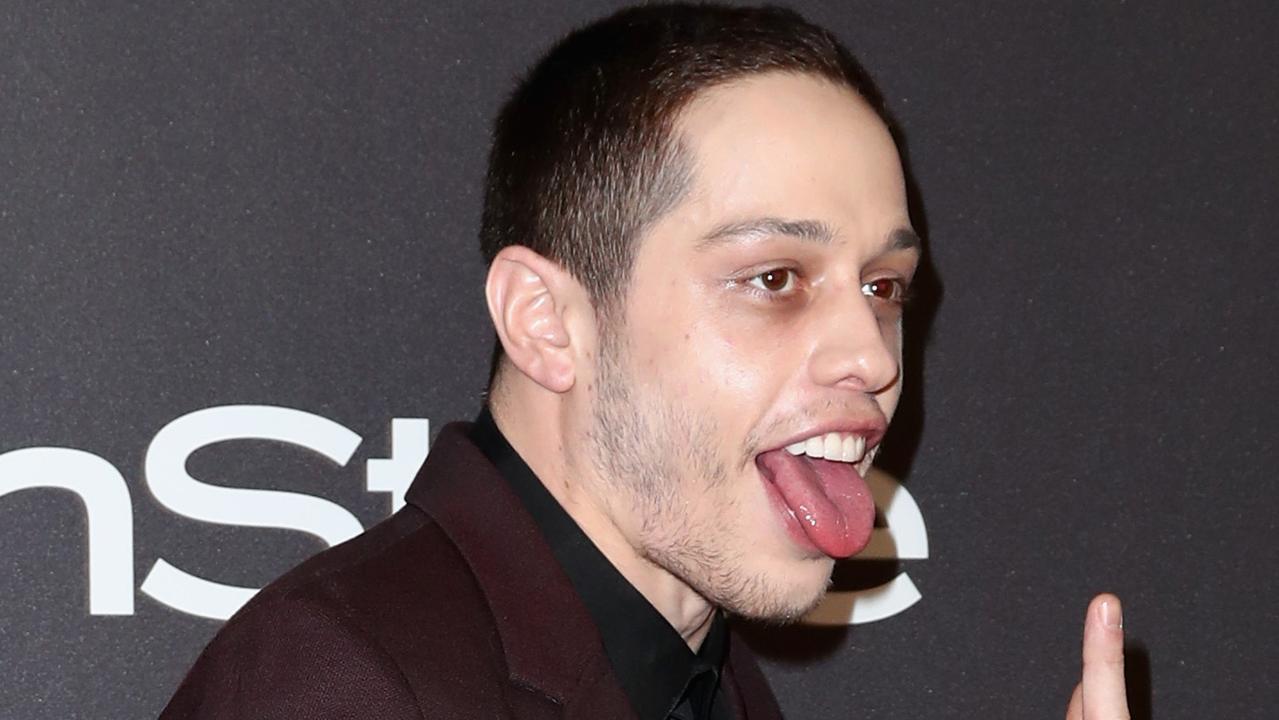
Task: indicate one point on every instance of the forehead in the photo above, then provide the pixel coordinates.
(790, 145)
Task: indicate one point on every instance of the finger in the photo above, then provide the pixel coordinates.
(1075, 711)
(1103, 693)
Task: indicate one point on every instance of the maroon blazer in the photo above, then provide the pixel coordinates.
(454, 607)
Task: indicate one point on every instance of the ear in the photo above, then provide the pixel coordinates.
(533, 301)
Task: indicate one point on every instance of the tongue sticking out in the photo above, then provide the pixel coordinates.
(829, 499)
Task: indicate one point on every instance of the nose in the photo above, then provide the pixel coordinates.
(855, 348)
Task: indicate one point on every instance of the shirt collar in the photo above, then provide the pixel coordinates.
(651, 660)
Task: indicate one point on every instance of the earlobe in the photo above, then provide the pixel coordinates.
(527, 297)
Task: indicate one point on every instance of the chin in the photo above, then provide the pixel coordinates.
(775, 592)
(787, 597)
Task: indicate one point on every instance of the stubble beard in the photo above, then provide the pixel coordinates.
(659, 457)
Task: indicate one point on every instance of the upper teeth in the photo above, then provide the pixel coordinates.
(840, 447)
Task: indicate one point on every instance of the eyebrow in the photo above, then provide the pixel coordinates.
(811, 230)
(815, 231)
(904, 238)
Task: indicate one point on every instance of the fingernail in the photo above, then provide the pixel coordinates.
(1111, 614)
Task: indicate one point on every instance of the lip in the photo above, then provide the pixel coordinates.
(871, 428)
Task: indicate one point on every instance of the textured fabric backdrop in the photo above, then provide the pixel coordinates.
(275, 205)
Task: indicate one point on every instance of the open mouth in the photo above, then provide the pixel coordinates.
(819, 484)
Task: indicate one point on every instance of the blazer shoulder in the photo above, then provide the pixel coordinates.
(295, 659)
(393, 618)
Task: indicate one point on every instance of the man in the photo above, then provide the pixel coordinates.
(699, 249)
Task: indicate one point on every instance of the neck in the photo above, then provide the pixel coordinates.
(544, 447)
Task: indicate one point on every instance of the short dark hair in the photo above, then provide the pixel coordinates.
(584, 152)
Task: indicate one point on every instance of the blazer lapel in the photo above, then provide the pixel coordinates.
(746, 685)
(549, 640)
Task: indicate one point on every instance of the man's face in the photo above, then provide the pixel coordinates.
(762, 312)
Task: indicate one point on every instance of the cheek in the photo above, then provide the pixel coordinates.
(704, 343)
(708, 354)
(739, 358)
(888, 400)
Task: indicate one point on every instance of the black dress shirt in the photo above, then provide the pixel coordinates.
(663, 678)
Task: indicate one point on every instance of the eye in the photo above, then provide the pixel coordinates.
(777, 280)
(888, 289)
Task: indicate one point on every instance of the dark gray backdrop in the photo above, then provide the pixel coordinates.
(235, 202)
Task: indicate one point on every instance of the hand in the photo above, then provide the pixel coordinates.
(1100, 695)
